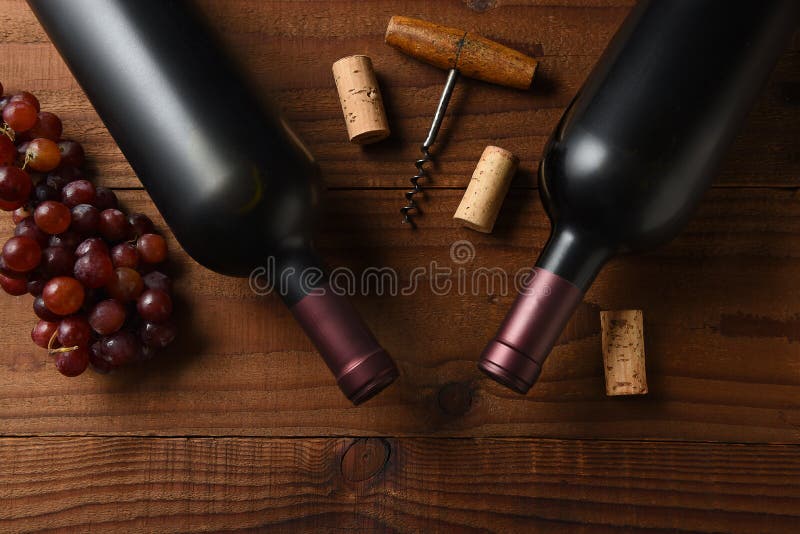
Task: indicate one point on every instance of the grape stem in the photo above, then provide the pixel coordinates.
(51, 350)
(52, 339)
(8, 131)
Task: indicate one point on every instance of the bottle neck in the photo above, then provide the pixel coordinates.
(295, 273)
(574, 255)
(361, 366)
(565, 270)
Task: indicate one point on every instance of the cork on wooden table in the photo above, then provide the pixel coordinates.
(623, 352)
(487, 188)
(361, 100)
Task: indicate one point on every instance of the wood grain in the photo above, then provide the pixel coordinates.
(242, 366)
(395, 485)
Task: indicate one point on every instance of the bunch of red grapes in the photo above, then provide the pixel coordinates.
(91, 269)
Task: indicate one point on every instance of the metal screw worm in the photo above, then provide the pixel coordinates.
(412, 208)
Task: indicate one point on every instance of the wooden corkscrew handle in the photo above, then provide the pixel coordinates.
(450, 48)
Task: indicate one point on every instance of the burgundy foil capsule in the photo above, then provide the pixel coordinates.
(361, 367)
(540, 312)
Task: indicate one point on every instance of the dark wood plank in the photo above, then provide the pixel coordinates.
(289, 47)
(721, 324)
(397, 485)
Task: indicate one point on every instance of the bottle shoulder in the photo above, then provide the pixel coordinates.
(636, 195)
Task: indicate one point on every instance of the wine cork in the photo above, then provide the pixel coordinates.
(486, 190)
(361, 100)
(623, 352)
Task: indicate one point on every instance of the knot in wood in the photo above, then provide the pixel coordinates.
(364, 459)
(455, 398)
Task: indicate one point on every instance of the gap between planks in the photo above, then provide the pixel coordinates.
(403, 437)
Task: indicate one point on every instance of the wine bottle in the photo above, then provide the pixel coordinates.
(634, 152)
(231, 179)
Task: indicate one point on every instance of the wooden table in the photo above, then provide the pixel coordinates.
(240, 426)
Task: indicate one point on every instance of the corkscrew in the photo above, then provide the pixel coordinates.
(463, 53)
(425, 148)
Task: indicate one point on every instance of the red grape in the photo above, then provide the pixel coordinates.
(105, 199)
(15, 184)
(36, 284)
(141, 224)
(71, 153)
(152, 248)
(120, 348)
(125, 255)
(41, 311)
(13, 286)
(107, 317)
(52, 217)
(63, 295)
(125, 285)
(93, 244)
(69, 240)
(94, 270)
(85, 219)
(154, 305)
(42, 333)
(157, 280)
(99, 364)
(157, 335)
(78, 192)
(5, 271)
(21, 254)
(73, 362)
(20, 116)
(25, 96)
(44, 192)
(27, 228)
(8, 152)
(57, 261)
(62, 176)
(74, 331)
(114, 225)
(42, 155)
(57, 182)
(47, 126)
(10, 206)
